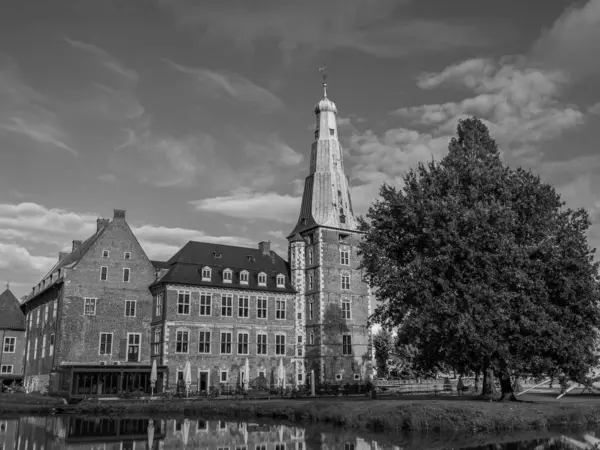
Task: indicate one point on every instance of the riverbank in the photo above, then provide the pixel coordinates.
(410, 413)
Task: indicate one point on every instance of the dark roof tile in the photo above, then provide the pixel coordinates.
(11, 316)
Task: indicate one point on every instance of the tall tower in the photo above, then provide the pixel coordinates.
(323, 254)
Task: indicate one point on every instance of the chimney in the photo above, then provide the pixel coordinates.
(76, 245)
(101, 223)
(62, 255)
(119, 214)
(265, 247)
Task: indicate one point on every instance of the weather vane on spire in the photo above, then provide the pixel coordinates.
(7, 285)
(323, 72)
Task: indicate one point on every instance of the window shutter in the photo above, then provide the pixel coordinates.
(122, 349)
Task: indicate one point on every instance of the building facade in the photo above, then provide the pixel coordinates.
(88, 320)
(12, 338)
(325, 265)
(228, 311)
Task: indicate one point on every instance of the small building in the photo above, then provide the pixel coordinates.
(12, 338)
(88, 319)
(230, 311)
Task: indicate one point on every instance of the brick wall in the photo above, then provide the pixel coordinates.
(16, 358)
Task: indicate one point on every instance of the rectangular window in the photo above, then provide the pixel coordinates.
(279, 344)
(205, 303)
(103, 273)
(206, 274)
(243, 305)
(35, 347)
(226, 343)
(311, 310)
(262, 279)
(157, 341)
(46, 313)
(310, 281)
(106, 343)
(133, 347)
(105, 254)
(227, 305)
(127, 255)
(243, 339)
(243, 277)
(30, 320)
(38, 317)
(43, 346)
(6, 369)
(346, 344)
(346, 282)
(181, 345)
(346, 311)
(310, 256)
(280, 281)
(227, 276)
(261, 307)
(126, 275)
(159, 304)
(54, 308)
(130, 308)
(183, 302)
(204, 342)
(51, 347)
(224, 376)
(9, 344)
(261, 344)
(280, 309)
(89, 306)
(344, 257)
(260, 447)
(27, 352)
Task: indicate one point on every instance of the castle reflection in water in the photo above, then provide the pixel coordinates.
(75, 433)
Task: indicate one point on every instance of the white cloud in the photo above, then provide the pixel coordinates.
(245, 204)
(237, 87)
(17, 258)
(273, 151)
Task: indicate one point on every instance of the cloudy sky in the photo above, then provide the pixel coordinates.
(196, 116)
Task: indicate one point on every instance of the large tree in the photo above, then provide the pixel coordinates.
(482, 267)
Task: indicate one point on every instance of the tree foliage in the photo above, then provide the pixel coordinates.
(482, 267)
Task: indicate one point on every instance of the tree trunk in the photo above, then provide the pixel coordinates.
(506, 387)
(488, 388)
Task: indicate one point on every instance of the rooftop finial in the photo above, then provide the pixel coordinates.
(323, 71)
(7, 285)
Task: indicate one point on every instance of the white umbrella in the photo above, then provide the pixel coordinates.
(185, 431)
(247, 376)
(187, 376)
(153, 375)
(150, 434)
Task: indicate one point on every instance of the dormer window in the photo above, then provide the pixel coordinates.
(244, 277)
(262, 279)
(206, 272)
(217, 255)
(105, 254)
(280, 281)
(251, 258)
(227, 276)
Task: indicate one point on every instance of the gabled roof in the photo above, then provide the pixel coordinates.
(186, 265)
(11, 316)
(75, 256)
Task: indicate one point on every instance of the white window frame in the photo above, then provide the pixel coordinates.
(247, 342)
(243, 306)
(105, 274)
(345, 285)
(93, 301)
(311, 337)
(43, 346)
(9, 341)
(280, 281)
(244, 277)
(46, 313)
(105, 254)
(100, 344)
(345, 345)
(156, 341)
(262, 345)
(139, 345)
(35, 347)
(230, 343)
(206, 307)
(310, 257)
(189, 302)
(54, 308)
(310, 281)
(262, 279)
(206, 273)
(311, 309)
(27, 351)
(346, 309)
(259, 300)
(279, 345)
(126, 255)
(38, 316)
(126, 270)
(51, 344)
(278, 310)
(221, 372)
(204, 342)
(344, 257)
(186, 341)
(7, 369)
(134, 308)
(158, 310)
(227, 276)
(228, 305)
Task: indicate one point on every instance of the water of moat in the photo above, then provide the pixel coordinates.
(79, 433)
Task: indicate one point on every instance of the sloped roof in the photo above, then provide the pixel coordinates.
(160, 264)
(186, 265)
(11, 316)
(75, 256)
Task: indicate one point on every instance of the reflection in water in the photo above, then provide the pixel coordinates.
(76, 433)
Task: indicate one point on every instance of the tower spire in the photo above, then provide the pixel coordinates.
(323, 71)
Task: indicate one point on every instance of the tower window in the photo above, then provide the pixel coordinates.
(331, 132)
(342, 218)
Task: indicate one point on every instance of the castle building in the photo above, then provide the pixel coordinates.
(228, 311)
(325, 265)
(88, 320)
(12, 338)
